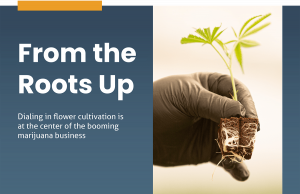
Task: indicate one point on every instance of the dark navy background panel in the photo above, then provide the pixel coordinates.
(291, 99)
(106, 161)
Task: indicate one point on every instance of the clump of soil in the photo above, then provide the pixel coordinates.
(236, 137)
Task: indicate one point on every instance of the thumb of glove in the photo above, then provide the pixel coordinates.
(212, 106)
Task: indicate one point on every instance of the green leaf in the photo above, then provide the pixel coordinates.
(256, 30)
(257, 22)
(215, 31)
(201, 33)
(234, 32)
(192, 39)
(196, 37)
(220, 43)
(218, 35)
(245, 24)
(230, 41)
(238, 54)
(208, 34)
(223, 46)
(248, 43)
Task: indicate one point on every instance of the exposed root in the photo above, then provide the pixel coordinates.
(232, 140)
(231, 135)
(212, 177)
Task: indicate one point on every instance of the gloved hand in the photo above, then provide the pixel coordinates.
(186, 113)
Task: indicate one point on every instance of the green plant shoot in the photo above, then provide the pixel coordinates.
(208, 37)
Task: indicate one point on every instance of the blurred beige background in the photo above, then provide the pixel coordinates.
(263, 77)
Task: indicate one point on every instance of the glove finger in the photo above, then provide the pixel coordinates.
(239, 171)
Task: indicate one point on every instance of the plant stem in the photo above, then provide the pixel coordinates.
(231, 75)
(221, 56)
(233, 86)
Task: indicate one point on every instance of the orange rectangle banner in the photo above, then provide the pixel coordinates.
(59, 5)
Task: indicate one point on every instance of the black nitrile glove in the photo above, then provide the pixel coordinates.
(186, 113)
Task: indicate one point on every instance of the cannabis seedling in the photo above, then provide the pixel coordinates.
(208, 37)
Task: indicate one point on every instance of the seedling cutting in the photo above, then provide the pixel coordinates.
(236, 136)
